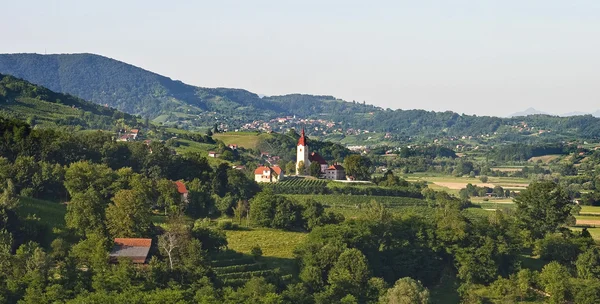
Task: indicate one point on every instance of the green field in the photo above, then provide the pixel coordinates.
(590, 209)
(49, 213)
(277, 245)
(247, 140)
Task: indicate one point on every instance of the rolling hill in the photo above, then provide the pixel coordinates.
(41, 106)
(134, 90)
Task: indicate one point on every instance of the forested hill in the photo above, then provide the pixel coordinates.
(41, 106)
(134, 90)
(128, 88)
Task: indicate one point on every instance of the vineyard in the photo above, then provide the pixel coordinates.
(299, 186)
(296, 185)
(235, 269)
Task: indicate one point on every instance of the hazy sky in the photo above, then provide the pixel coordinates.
(476, 56)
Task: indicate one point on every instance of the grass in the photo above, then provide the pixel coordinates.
(277, 246)
(274, 243)
(594, 231)
(590, 209)
(50, 213)
(248, 140)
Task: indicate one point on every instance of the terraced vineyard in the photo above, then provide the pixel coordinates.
(235, 269)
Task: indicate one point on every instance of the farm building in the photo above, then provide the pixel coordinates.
(135, 249)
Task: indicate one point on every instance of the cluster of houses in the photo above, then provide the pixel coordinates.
(132, 135)
(271, 174)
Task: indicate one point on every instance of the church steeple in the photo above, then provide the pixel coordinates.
(302, 140)
(302, 153)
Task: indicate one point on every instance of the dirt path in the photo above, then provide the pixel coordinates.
(593, 223)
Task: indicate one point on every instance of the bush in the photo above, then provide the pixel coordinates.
(256, 252)
(225, 225)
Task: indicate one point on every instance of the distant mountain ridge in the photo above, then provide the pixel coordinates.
(134, 90)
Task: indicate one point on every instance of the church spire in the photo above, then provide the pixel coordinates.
(302, 140)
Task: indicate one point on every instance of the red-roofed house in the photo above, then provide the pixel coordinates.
(266, 174)
(182, 191)
(335, 172)
(135, 249)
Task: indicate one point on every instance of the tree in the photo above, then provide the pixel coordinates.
(290, 168)
(555, 281)
(301, 169)
(358, 166)
(350, 274)
(128, 215)
(542, 208)
(588, 264)
(406, 291)
(86, 213)
(315, 169)
(9, 199)
(167, 242)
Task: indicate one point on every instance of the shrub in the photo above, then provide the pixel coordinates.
(256, 252)
(225, 225)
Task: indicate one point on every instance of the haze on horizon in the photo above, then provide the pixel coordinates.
(475, 57)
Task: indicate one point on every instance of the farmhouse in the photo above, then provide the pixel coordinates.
(266, 174)
(213, 154)
(135, 249)
(335, 172)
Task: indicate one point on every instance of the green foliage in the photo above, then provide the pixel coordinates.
(542, 208)
(358, 167)
(128, 215)
(554, 278)
(406, 291)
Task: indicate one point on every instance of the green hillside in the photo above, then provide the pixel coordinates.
(40, 106)
(134, 90)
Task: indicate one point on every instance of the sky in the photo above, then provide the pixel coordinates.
(468, 56)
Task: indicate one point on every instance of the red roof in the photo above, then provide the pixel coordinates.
(133, 242)
(302, 140)
(181, 187)
(335, 167)
(135, 249)
(135, 131)
(315, 157)
(261, 169)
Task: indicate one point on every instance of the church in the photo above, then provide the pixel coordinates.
(334, 172)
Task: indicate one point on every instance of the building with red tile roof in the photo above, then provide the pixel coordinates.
(266, 174)
(181, 188)
(136, 249)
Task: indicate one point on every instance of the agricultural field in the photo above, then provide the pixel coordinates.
(352, 206)
(247, 140)
(545, 159)
(277, 246)
(453, 184)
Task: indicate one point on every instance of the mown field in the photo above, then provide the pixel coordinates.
(247, 140)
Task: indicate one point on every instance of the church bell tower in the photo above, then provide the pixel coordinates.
(302, 153)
